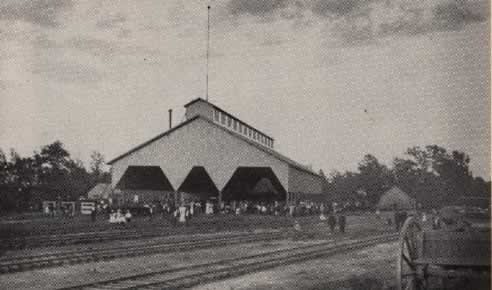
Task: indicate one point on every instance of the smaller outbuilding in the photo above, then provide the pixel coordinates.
(395, 198)
(100, 191)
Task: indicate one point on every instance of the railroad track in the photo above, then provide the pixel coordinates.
(81, 238)
(109, 235)
(30, 262)
(188, 276)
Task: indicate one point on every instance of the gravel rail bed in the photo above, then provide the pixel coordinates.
(188, 276)
(57, 258)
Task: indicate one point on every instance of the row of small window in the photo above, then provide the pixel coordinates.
(234, 124)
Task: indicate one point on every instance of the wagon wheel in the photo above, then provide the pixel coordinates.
(408, 277)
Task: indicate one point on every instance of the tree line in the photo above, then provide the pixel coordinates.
(430, 174)
(49, 174)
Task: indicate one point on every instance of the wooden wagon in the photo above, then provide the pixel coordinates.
(428, 257)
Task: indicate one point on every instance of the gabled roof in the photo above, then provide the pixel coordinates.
(252, 143)
(101, 190)
(395, 197)
(152, 140)
(225, 112)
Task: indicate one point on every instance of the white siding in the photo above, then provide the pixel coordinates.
(200, 143)
(300, 181)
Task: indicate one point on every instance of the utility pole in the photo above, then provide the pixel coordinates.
(208, 48)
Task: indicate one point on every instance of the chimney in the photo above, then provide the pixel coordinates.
(170, 118)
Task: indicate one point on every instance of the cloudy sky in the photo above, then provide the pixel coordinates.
(330, 80)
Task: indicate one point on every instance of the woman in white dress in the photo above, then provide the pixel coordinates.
(182, 214)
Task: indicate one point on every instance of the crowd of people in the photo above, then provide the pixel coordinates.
(118, 217)
(180, 214)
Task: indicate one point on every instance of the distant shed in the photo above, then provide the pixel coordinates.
(100, 191)
(396, 198)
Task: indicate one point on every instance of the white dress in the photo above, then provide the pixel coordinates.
(182, 214)
(209, 208)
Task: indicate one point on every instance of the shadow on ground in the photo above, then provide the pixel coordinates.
(353, 283)
(367, 283)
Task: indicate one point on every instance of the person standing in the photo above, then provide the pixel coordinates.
(175, 216)
(332, 222)
(51, 209)
(151, 211)
(342, 220)
(182, 214)
(436, 220)
(397, 220)
(192, 208)
(187, 215)
(208, 208)
(93, 215)
(128, 216)
(112, 219)
(403, 217)
(163, 208)
(291, 210)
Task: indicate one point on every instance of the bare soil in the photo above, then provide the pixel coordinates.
(70, 275)
(368, 269)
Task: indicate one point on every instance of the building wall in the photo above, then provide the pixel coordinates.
(300, 181)
(201, 143)
(218, 116)
(199, 108)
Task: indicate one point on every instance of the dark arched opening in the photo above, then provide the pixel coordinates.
(198, 185)
(254, 183)
(144, 184)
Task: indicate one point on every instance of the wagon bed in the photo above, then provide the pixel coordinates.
(441, 253)
(470, 248)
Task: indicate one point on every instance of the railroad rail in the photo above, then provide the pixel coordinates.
(188, 276)
(60, 239)
(57, 258)
(83, 238)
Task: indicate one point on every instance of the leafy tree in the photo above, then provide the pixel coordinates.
(480, 188)
(343, 186)
(20, 180)
(430, 174)
(433, 175)
(374, 178)
(7, 195)
(97, 166)
(406, 174)
(97, 163)
(78, 181)
(3, 168)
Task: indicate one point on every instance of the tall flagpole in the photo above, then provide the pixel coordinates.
(208, 48)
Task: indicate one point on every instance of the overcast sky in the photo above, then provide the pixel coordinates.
(329, 80)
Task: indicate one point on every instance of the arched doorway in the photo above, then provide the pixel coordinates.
(144, 184)
(254, 183)
(198, 185)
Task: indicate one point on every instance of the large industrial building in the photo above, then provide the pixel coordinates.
(211, 155)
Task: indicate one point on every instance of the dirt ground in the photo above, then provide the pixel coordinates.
(372, 268)
(52, 278)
